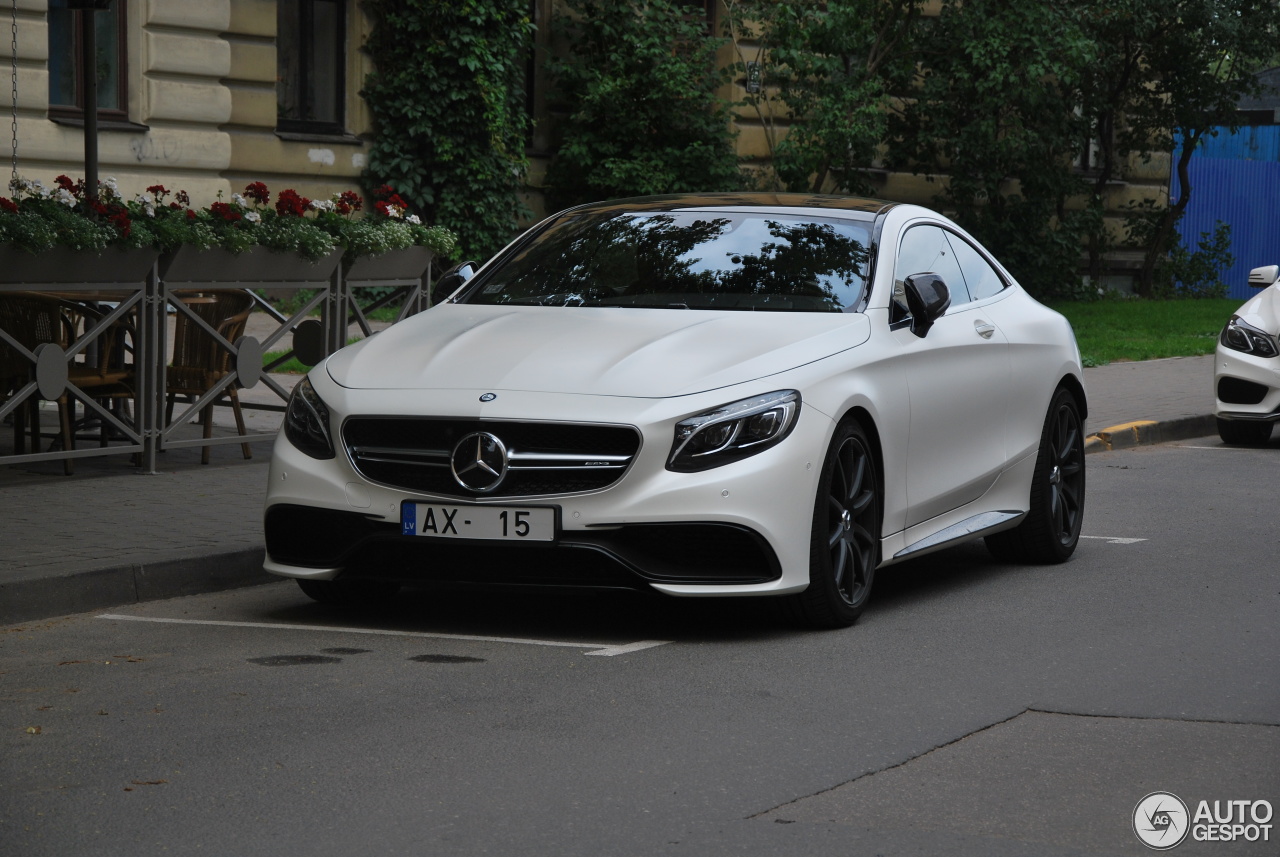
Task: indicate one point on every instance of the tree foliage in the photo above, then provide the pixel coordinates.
(833, 67)
(995, 110)
(638, 83)
(448, 99)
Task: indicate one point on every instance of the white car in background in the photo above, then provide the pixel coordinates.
(1247, 365)
(719, 395)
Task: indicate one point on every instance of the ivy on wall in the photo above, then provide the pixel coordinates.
(448, 101)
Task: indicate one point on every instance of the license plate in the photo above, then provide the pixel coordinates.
(498, 523)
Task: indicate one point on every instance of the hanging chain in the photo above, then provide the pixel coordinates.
(15, 89)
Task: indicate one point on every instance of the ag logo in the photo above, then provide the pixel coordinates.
(1160, 820)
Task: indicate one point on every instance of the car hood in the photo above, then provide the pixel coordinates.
(646, 353)
(1263, 310)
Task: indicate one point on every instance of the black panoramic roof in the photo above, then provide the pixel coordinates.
(674, 202)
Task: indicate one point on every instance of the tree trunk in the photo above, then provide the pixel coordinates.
(1166, 230)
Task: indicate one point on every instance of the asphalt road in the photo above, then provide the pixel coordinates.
(975, 709)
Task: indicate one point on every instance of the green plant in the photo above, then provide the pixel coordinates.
(833, 66)
(638, 84)
(994, 112)
(448, 99)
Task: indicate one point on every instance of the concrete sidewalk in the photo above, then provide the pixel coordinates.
(111, 535)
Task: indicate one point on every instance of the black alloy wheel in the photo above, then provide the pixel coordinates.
(845, 538)
(1051, 530)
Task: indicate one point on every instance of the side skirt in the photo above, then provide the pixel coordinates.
(982, 524)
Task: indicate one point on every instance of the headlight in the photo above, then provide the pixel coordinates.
(1240, 336)
(734, 431)
(306, 422)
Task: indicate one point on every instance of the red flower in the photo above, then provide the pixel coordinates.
(257, 191)
(158, 190)
(65, 183)
(181, 198)
(290, 202)
(120, 220)
(226, 212)
(8, 205)
(348, 201)
(191, 215)
(97, 207)
(384, 191)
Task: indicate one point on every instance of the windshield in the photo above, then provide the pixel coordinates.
(687, 260)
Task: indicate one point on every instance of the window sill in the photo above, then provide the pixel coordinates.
(103, 124)
(344, 139)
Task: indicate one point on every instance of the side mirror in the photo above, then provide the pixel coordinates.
(928, 298)
(1260, 278)
(452, 280)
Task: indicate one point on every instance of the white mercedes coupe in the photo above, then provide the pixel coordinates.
(710, 395)
(1247, 365)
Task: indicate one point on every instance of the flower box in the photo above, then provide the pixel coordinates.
(190, 267)
(408, 263)
(76, 267)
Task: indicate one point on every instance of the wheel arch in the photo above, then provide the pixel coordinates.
(1073, 385)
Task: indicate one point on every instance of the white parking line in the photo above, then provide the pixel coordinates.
(1115, 540)
(604, 650)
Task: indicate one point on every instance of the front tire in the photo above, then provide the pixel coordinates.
(1244, 432)
(1051, 530)
(845, 537)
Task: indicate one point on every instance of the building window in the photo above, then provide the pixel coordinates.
(310, 66)
(66, 95)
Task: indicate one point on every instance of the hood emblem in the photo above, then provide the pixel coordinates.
(479, 462)
(488, 397)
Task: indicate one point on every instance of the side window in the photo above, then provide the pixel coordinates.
(925, 249)
(982, 278)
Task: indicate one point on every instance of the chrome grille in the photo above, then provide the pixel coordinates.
(544, 458)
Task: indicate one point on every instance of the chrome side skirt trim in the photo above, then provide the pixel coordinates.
(970, 528)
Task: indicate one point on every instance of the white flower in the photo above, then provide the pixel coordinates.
(395, 211)
(110, 184)
(414, 219)
(322, 204)
(148, 203)
(65, 197)
(252, 216)
(238, 199)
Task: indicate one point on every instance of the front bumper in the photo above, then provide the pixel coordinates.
(1246, 387)
(739, 529)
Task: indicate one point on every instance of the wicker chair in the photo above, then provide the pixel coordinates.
(34, 320)
(200, 361)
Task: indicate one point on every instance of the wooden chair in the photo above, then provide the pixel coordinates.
(33, 320)
(200, 361)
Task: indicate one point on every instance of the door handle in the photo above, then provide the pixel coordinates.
(984, 328)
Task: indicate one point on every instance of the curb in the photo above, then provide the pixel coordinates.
(42, 598)
(1147, 432)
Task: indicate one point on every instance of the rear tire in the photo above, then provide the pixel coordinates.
(1051, 530)
(349, 593)
(844, 541)
(1244, 432)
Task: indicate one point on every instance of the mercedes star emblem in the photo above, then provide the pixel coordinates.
(479, 462)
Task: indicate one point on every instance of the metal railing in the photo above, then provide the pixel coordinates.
(144, 294)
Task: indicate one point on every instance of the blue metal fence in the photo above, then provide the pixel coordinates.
(1236, 179)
